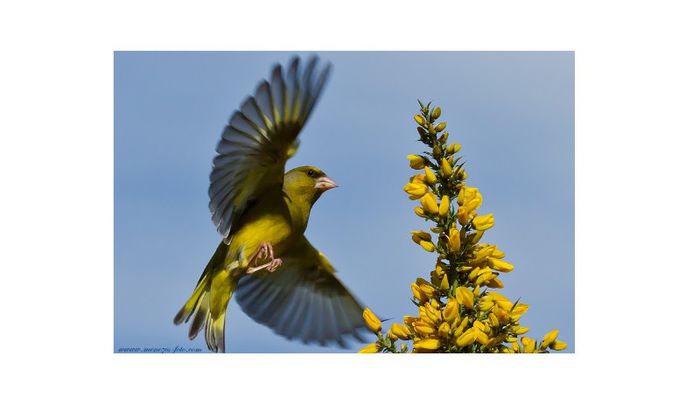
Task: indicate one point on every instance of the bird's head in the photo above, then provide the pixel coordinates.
(307, 182)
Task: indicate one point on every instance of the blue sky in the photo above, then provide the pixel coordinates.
(511, 111)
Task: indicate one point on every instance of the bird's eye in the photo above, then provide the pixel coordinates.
(311, 173)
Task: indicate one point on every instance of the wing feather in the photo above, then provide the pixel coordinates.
(258, 140)
(303, 299)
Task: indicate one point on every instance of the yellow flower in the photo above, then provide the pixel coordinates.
(433, 315)
(485, 305)
(425, 287)
(429, 203)
(516, 347)
(416, 162)
(444, 283)
(416, 190)
(445, 168)
(549, 338)
(419, 235)
(528, 344)
(372, 321)
(444, 330)
(467, 194)
(418, 293)
(495, 283)
(499, 265)
(419, 211)
(475, 237)
(428, 246)
(465, 297)
(453, 240)
(485, 276)
(427, 345)
(419, 119)
(423, 328)
(400, 331)
(371, 348)
(520, 330)
(444, 206)
(464, 215)
(419, 178)
(430, 177)
(498, 254)
(482, 337)
(451, 310)
(467, 338)
(435, 114)
(408, 320)
(440, 127)
(493, 319)
(484, 222)
(558, 345)
(519, 310)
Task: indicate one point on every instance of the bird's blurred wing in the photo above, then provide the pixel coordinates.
(259, 139)
(303, 299)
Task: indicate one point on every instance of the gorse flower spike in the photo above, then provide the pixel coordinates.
(458, 310)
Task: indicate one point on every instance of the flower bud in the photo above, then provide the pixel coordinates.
(416, 162)
(483, 222)
(419, 211)
(419, 119)
(440, 127)
(520, 330)
(444, 330)
(429, 203)
(419, 235)
(430, 177)
(435, 114)
(416, 189)
(454, 241)
(400, 331)
(445, 168)
(428, 246)
(372, 321)
(444, 206)
(444, 283)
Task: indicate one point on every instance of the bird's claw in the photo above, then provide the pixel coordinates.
(274, 265)
(264, 252)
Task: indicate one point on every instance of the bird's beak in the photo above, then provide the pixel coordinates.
(324, 183)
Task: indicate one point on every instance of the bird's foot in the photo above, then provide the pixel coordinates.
(263, 253)
(271, 266)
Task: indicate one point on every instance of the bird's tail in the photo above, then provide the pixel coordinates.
(207, 306)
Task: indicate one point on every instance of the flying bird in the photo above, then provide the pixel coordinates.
(278, 278)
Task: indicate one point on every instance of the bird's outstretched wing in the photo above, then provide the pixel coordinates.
(303, 299)
(259, 139)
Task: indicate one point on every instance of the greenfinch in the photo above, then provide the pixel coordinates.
(278, 278)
